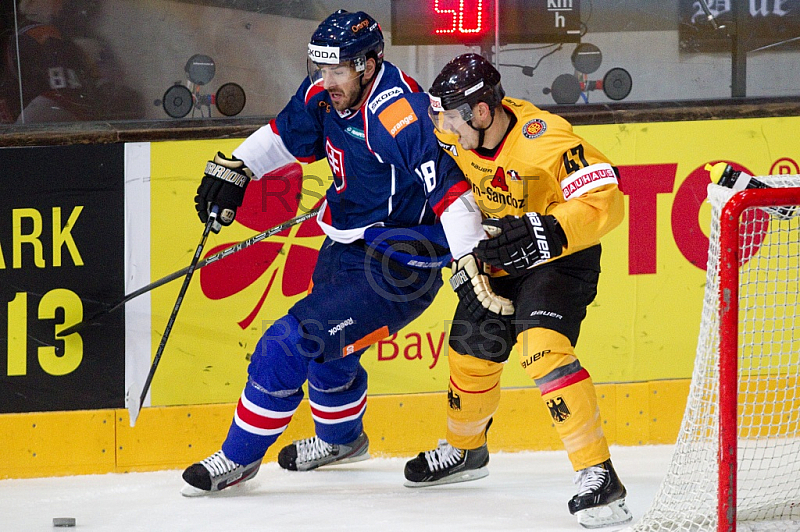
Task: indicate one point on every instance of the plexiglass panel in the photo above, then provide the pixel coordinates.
(137, 60)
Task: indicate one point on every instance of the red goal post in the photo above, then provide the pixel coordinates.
(736, 461)
(733, 253)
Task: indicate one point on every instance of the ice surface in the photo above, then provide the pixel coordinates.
(524, 491)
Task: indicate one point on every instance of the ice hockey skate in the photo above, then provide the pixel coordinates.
(600, 500)
(447, 465)
(216, 473)
(311, 453)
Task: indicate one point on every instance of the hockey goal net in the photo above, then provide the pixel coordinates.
(736, 463)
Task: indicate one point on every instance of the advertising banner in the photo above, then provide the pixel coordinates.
(642, 326)
(82, 226)
(61, 258)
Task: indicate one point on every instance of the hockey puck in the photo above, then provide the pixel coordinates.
(64, 521)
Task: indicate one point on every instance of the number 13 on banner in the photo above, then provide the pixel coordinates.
(53, 360)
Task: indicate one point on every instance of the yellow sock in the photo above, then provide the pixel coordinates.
(473, 397)
(568, 392)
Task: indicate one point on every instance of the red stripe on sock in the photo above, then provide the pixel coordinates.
(259, 421)
(564, 381)
(454, 385)
(339, 414)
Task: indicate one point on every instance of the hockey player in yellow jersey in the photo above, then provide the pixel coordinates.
(547, 197)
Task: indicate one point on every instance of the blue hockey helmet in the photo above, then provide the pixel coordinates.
(346, 37)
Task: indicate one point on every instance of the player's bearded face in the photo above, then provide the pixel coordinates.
(343, 84)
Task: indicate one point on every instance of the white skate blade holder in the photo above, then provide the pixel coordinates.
(615, 513)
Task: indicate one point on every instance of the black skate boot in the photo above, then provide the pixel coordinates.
(446, 465)
(600, 500)
(216, 473)
(311, 453)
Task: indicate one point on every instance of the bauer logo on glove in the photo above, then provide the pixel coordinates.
(518, 244)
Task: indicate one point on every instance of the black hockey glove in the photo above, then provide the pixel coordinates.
(518, 244)
(223, 185)
(471, 285)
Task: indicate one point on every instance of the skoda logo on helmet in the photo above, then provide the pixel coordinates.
(328, 55)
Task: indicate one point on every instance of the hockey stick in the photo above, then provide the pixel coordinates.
(134, 406)
(205, 262)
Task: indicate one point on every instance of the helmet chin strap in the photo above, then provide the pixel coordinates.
(482, 130)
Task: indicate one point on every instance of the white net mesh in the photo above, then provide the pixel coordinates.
(768, 495)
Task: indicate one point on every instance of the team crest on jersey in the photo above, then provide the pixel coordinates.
(336, 162)
(558, 409)
(513, 175)
(534, 128)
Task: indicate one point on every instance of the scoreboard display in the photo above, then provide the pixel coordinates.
(470, 22)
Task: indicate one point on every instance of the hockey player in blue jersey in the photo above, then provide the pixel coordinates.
(390, 177)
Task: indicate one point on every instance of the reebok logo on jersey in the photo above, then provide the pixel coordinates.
(397, 116)
(340, 326)
(384, 97)
(538, 233)
(587, 179)
(226, 174)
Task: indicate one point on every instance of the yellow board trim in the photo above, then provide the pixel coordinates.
(102, 441)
